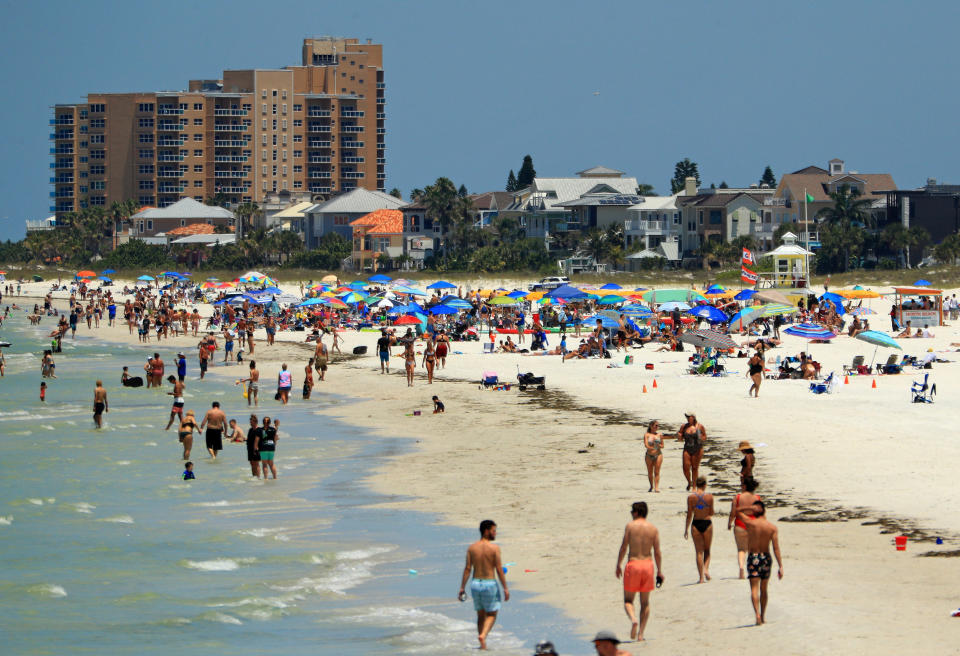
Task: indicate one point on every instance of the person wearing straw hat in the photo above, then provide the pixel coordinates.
(748, 461)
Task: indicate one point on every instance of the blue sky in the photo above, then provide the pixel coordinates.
(473, 87)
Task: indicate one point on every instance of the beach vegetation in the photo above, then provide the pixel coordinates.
(527, 173)
(681, 171)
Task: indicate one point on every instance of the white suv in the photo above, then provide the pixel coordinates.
(548, 283)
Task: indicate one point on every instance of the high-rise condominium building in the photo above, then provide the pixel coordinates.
(317, 127)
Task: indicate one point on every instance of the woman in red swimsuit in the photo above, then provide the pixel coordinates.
(745, 499)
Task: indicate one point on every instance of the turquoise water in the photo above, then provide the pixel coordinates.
(106, 550)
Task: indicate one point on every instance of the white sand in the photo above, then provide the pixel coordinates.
(514, 457)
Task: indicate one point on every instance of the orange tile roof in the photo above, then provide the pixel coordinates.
(381, 222)
(193, 229)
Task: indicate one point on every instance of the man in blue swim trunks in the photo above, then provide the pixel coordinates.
(483, 562)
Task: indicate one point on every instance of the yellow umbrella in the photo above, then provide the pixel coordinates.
(858, 293)
(535, 296)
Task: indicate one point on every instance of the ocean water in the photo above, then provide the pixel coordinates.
(106, 550)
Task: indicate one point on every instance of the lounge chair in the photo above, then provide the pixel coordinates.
(855, 365)
(891, 366)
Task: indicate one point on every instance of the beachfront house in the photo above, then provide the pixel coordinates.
(720, 214)
(336, 214)
(540, 207)
(151, 221)
(652, 220)
(787, 203)
(933, 207)
(377, 240)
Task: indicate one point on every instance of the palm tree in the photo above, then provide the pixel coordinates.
(847, 211)
(288, 243)
(644, 189)
(948, 250)
(595, 242)
(442, 202)
(246, 213)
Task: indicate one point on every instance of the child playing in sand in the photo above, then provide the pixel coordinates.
(438, 407)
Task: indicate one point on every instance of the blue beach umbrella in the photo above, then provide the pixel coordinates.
(835, 298)
(458, 303)
(715, 289)
(710, 313)
(878, 339)
(744, 295)
(636, 310)
(744, 318)
(312, 301)
(517, 294)
(605, 321)
(442, 284)
(105, 279)
(611, 299)
(443, 309)
(611, 285)
(922, 283)
(566, 292)
(107, 272)
(810, 331)
(145, 277)
(379, 278)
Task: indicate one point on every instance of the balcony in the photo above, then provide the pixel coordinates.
(230, 158)
(648, 227)
(319, 113)
(319, 159)
(229, 143)
(351, 113)
(227, 127)
(63, 135)
(318, 143)
(351, 128)
(232, 190)
(169, 127)
(169, 158)
(319, 175)
(776, 202)
(230, 174)
(169, 111)
(352, 175)
(229, 112)
(62, 150)
(168, 189)
(319, 128)
(352, 144)
(62, 120)
(167, 142)
(381, 116)
(381, 85)
(62, 179)
(353, 160)
(62, 193)
(381, 101)
(169, 173)
(381, 160)
(319, 189)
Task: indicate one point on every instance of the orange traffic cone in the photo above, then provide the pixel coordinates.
(874, 383)
(654, 383)
(846, 379)
(644, 389)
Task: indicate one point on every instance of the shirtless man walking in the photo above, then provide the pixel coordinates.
(253, 384)
(760, 533)
(639, 538)
(178, 401)
(100, 404)
(483, 561)
(215, 421)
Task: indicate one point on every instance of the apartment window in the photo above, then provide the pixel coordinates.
(352, 78)
(263, 155)
(83, 129)
(284, 108)
(297, 154)
(715, 217)
(274, 154)
(146, 169)
(264, 124)
(284, 124)
(98, 108)
(284, 156)
(700, 217)
(360, 81)
(145, 138)
(145, 122)
(264, 110)
(247, 106)
(274, 93)
(284, 169)
(274, 170)
(198, 121)
(264, 185)
(263, 94)
(297, 168)
(83, 189)
(83, 144)
(198, 137)
(83, 113)
(184, 122)
(343, 75)
(297, 107)
(298, 138)
(343, 90)
(145, 200)
(145, 108)
(98, 185)
(98, 123)
(198, 107)
(298, 122)
(284, 140)
(274, 124)
(98, 200)
(341, 220)
(198, 183)
(98, 154)
(274, 112)
(274, 140)
(144, 185)
(198, 168)
(184, 106)
(198, 152)
(264, 171)
(145, 153)
(274, 185)
(184, 153)
(83, 159)
(297, 184)
(263, 139)
(96, 139)
(284, 94)
(149, 225)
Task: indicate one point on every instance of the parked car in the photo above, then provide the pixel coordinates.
(548, 283)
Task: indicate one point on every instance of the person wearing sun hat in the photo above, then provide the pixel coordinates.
(748, 461)
(606, 643)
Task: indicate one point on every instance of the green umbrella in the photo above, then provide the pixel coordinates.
(658, 296)
(502, 300)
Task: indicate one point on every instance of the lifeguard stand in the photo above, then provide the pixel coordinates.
(791, 269)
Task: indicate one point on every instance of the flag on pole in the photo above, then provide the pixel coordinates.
(809, 198)
(748, 276)
(747, 257)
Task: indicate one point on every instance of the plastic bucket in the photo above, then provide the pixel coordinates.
(901, 541)
(628, 359)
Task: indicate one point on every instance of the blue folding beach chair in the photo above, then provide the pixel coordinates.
(923, 392)
(825, 387)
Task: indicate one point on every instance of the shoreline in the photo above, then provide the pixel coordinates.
(546, 475)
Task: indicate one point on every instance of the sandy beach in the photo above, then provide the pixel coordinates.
(843, 473)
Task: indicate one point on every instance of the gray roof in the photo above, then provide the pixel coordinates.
(601, 171)
(207, 239)
(357, 200)
(554, 191)
(186, 208)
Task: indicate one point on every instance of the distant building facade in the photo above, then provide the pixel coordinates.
(337, 213)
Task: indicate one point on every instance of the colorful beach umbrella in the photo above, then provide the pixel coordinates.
(878, 339)
(611, 285)
(710, 313)
(502, 300)
(379, 278)
(860, 311)
(810, 331)
(774, 309)
(442, 284)
(704, 338)
(611, 299)
(744, 318)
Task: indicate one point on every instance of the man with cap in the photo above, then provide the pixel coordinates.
(545, 648)
(605, 642)
(181, 367)
(639, 538)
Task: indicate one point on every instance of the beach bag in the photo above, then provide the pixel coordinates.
(359, 350)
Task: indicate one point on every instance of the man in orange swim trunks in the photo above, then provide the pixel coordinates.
(639, 538)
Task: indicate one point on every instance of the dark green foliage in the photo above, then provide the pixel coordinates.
(511, 181)
(527, 173)
(136, 254)
(768, 178)
(684, 169)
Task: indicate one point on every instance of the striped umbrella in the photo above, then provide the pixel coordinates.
(704, 338)
(860, 311)
(773, 309)
(810, 331)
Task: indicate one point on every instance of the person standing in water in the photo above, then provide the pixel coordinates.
(266, 446)
(214, 421)
(100, 404)
(640, 538)
(486, 568)
(699, 513)
(178, 401)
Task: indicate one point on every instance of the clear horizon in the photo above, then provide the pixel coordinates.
(734, 87)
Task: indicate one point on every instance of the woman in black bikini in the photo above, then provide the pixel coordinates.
(429, 359)
(693, 435)
(653, 441)
(699, 512)
(748, 461)
(756, 374)
(187, 426)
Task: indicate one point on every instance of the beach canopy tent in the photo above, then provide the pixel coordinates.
(379, 278)
(745, 295)
(611, 286)
(442, 284)
(660, 296)
(922, 283)
(443, 309)
(878, 339)
(145, 278)
(708, 312)
(909, 304)
(567, 293)
(708, 338)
